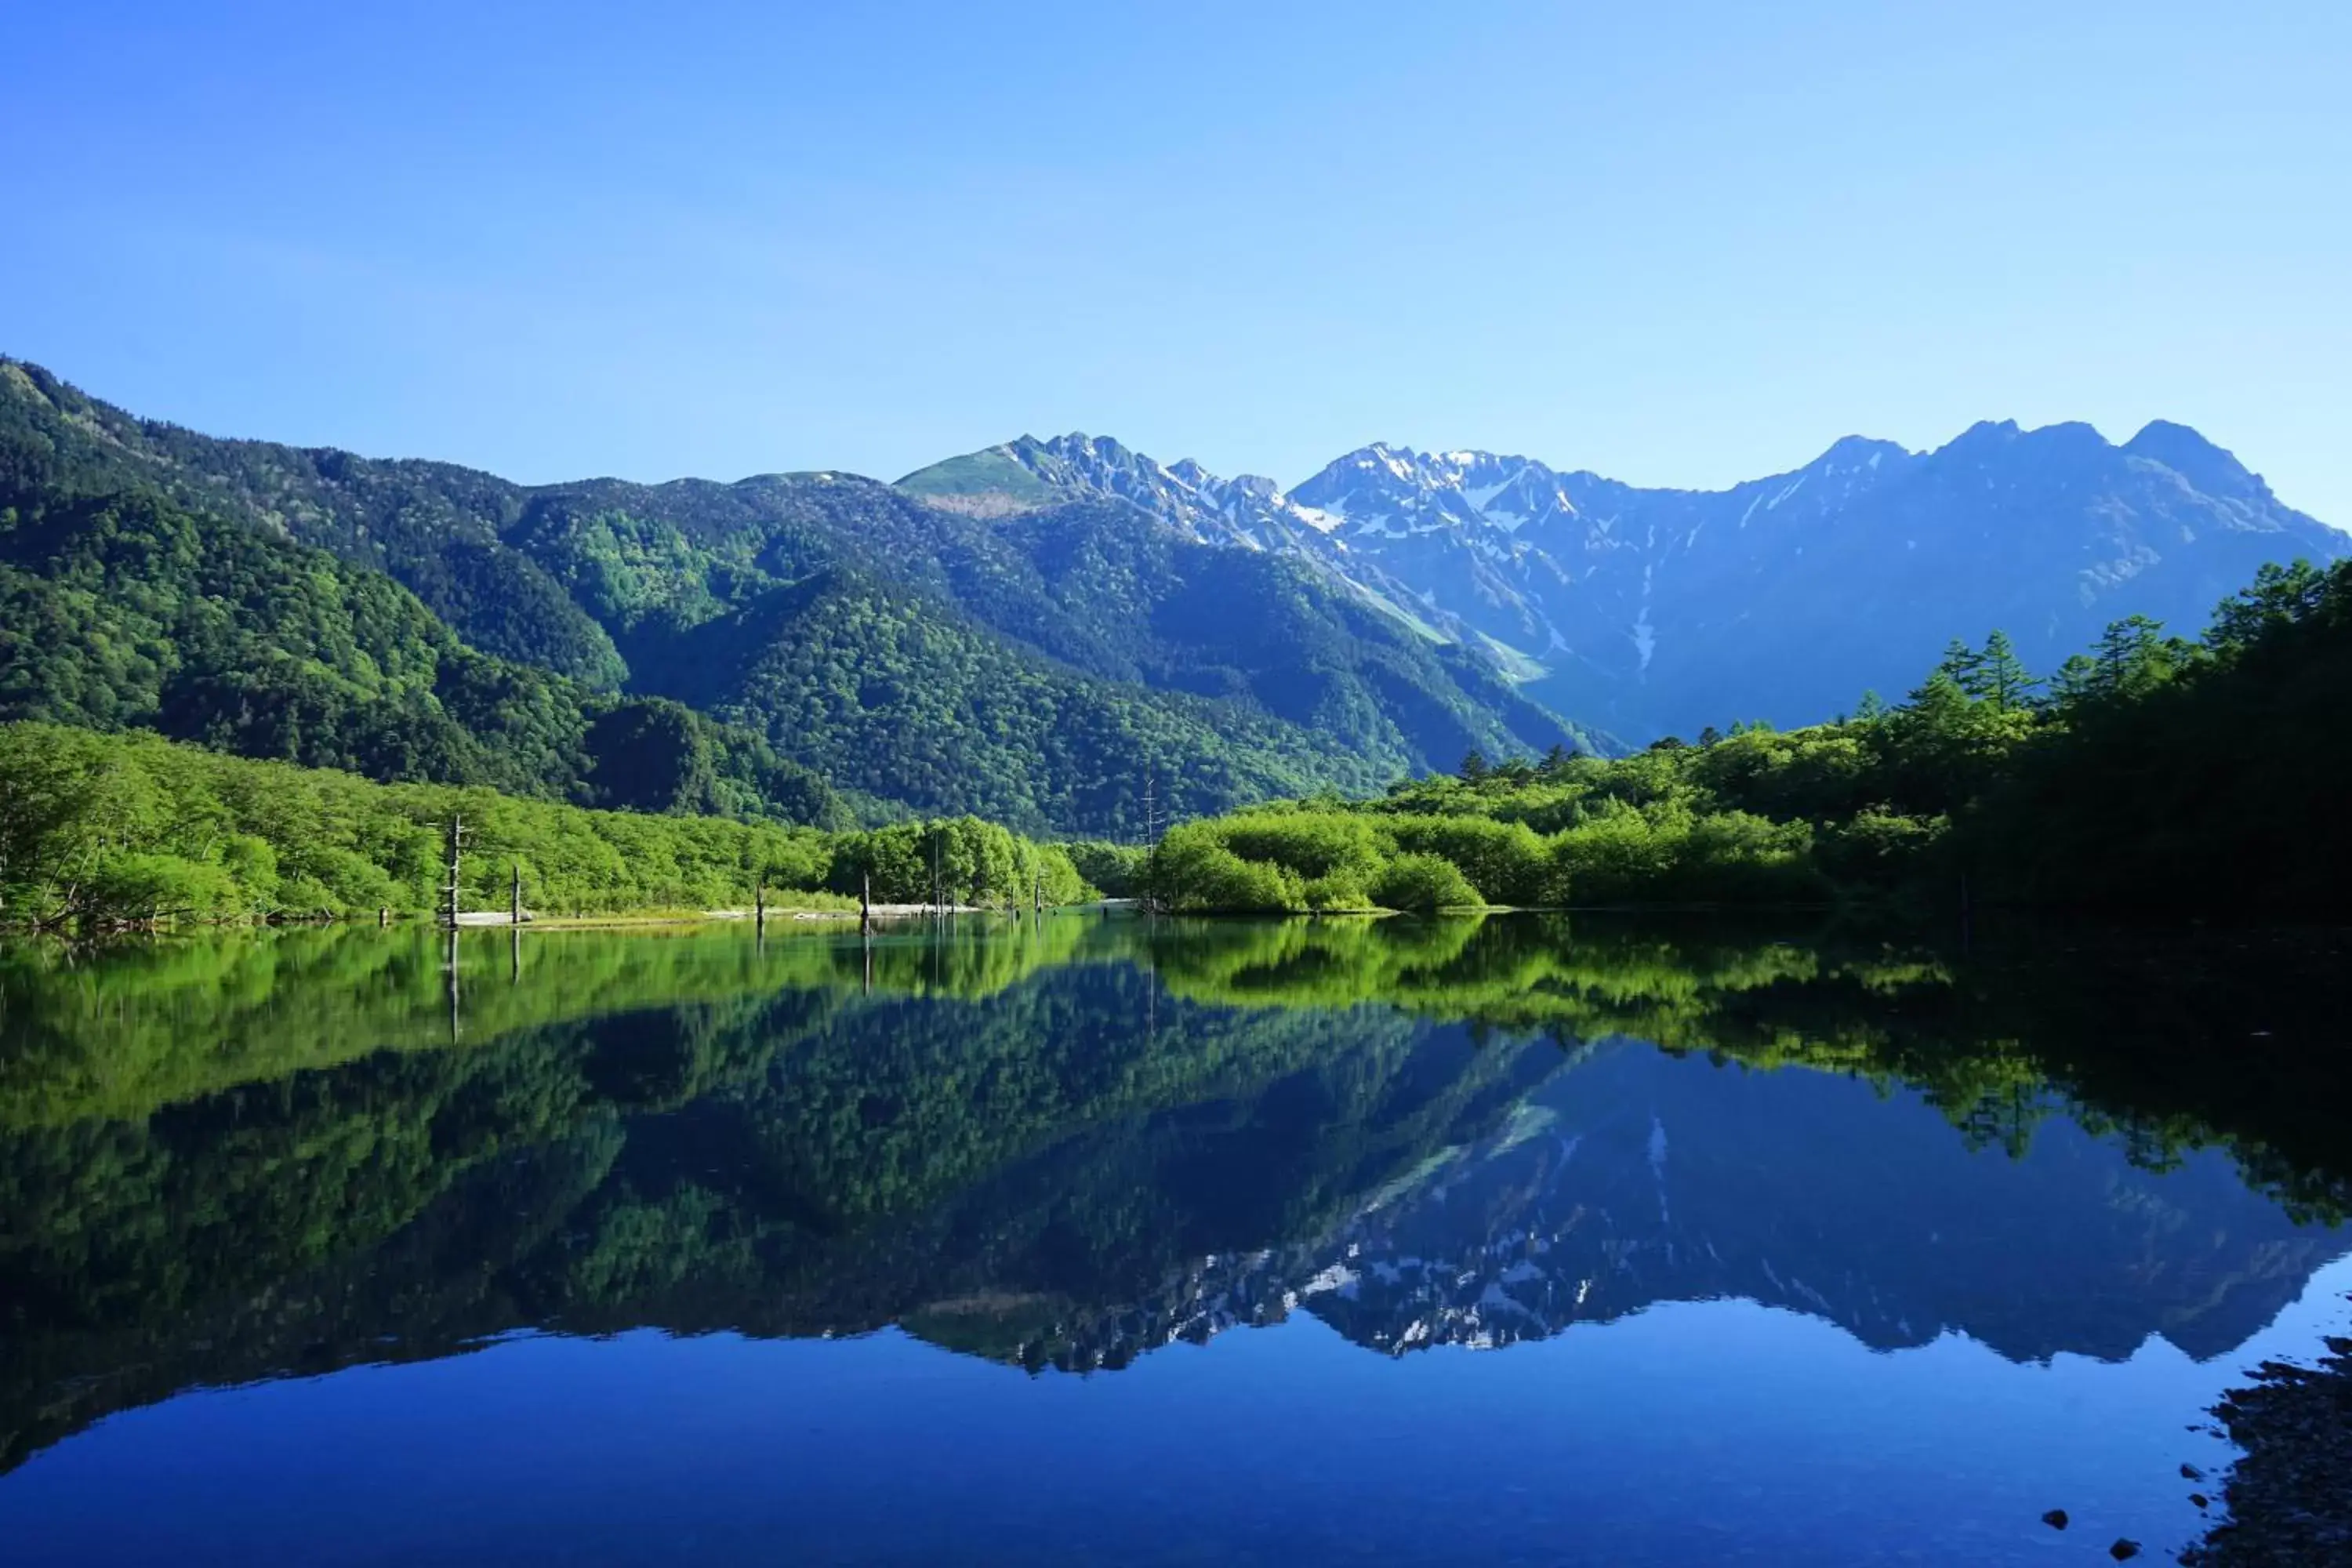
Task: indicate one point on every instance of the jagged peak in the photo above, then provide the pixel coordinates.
(1983, 432)
(1433, 468)
(2172, 434)
(2069, 435)
(1865, 447)
(2189, 453)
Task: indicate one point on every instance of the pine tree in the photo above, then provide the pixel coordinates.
(1965, 666)
(2280, 596)
(2131, 657)
(1474, 766)
(2078, 681)
(2001, 678)
(1939, 704)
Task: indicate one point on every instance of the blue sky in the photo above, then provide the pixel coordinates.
(1676, 243)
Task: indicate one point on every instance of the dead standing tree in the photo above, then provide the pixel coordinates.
(455, 838)
(1154, 827)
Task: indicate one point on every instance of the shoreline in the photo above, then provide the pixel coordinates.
(500, 920)
(2289, 1496)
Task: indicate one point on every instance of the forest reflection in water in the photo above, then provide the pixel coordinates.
(1066, 1142)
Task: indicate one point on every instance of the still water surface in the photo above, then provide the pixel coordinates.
(1094, 1241)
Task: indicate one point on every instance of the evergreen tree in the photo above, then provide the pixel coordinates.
(2131, 659)
(2001, 676)
(1941, 703)
(1475, 768)
(1964, 666)
(2279, 597)
(2076, 682)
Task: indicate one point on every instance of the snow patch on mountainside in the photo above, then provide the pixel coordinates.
(1850, 571)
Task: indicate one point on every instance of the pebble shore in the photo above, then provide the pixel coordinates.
(2289, 1499)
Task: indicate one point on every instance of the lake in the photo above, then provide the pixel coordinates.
(1093, 1239)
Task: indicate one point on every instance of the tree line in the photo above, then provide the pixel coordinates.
(2152, 771)
(98, 828)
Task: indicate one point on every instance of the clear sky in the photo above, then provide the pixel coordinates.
(1678, 244)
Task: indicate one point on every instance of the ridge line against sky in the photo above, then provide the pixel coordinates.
(1285, 486)
(1165, 464)
(1673, 247)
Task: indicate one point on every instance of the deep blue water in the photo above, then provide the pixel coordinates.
(1126, 1252)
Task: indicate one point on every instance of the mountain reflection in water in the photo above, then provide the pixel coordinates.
(1069, 1142)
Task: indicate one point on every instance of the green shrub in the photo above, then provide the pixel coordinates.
(1506, 860)
(1423, 883)
(1337, 893)
(1310, 843)
(1196, 871)
(1880, 848)
(1618, 856)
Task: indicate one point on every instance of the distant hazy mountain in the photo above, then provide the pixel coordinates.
(1651, 611)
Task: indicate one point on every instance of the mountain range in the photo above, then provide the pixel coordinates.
(1051, 671)
(1064, 635)
(1645, 612)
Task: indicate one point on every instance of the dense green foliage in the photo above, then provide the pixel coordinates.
(124, 610)
(1045, 672)
(1339, 862)
(2152, 772)
(1116, 869)
(115, 828)
(428, 525)
(2209, 773)
(887, 692)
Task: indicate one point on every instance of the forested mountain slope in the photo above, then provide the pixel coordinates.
(1040, 672)
(124, 610)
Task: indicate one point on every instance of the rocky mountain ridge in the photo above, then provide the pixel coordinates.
(1646, 611)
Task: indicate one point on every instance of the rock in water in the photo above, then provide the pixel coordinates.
(2055, 1519)
(2124, 1551)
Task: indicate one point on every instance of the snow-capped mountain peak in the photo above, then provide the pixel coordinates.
(1653, 611)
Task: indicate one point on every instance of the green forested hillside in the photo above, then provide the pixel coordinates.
(432, 527)
(2152, 772)
(1039, 671)
(124, 610)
